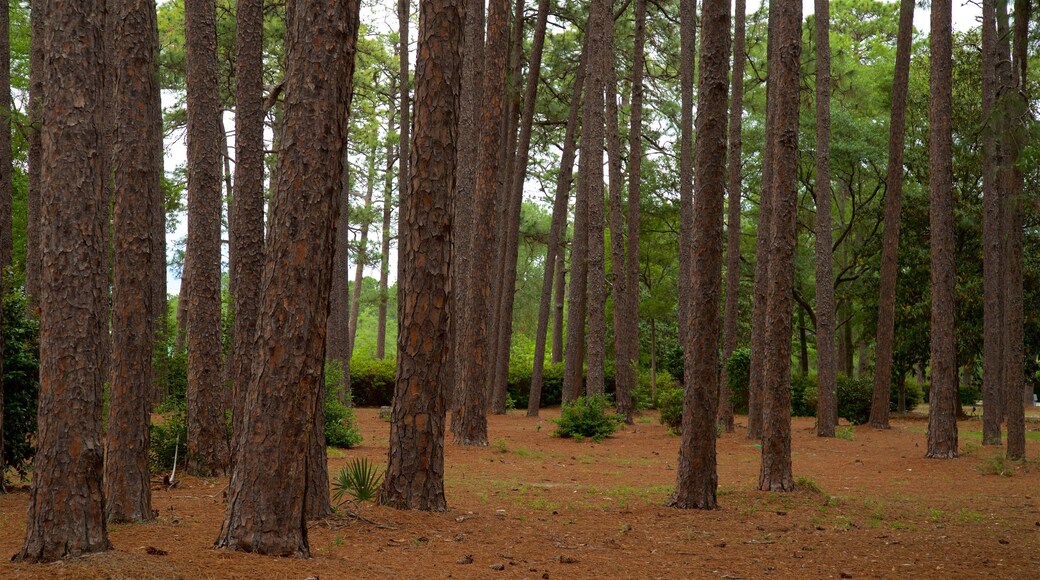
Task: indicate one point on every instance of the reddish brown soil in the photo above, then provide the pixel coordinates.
(552, 508)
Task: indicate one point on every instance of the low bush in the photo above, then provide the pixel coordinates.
(372, 381)
(360, 479)
(21, 383)
(167, 439)
(587, 417)
(670, 405)
(803, 395)
(341, 429)
(644, 395)
(855, 396)
(738, 377)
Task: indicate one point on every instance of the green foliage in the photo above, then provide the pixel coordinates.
(802, 406)
(738, 373)
(372, 380)
(587, 417)
(997, 464)
(670, 404)
(341, 429)
(167, 439)
(360, 479)
(519, 387)
(845, 432)
(853, 399)
(643, 397)
(21, 382)
(855, 395)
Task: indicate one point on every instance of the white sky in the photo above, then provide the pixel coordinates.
(382, 15)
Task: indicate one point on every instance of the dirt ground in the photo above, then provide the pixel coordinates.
(534, 506)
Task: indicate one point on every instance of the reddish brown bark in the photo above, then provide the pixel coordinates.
(943, 406)
(736, 114)
(697, 476)
(785, 34)
(270, 494)
(415, 472)
(893, 204)
(6, 233)
(687, 69)
(208, 452)
(136, 153)
(337, 345)
(827, 400)
(559, 296)
(33, 263)
(384, 264)
(404, 129)
(66, 505)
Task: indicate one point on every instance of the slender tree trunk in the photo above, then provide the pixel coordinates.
(625, 371)
(783, 133)
(469, 421)
(384, 263)
(687, 70)
(763, 236)
(247, 223)
(136, 152)
(33, 261)
(697, 476)
(66, 514)
(827, 400)
(1018, 394)
(207, 438)
(362, 259)
(993, 237)
(415, 471)
(337, 344)
(653, 360)
(6, 235)
(890, 237)
(732, 314)
(559, 292)
(404, 130)
(268, 498)
(803, 343)
(942, 416)
(554, 247)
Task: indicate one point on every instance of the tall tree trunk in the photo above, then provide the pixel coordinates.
(942, 416)
(337, 341)
(554, 246)
(803, 343)
(635, 161)
(687, 70)
(268, 498)
(827, 399)
(1018, 394)
(736, 114)
(760, 294)
(625, 371)
(136, 153)
(6, 235)
(33, 261)
(362, 258)
(993, 237)
(559, 297)
(247, 222)
(415, 471)
(511, 197)
(893, 204)
(697, 476)
(782, 131)
(404, 145)
(384, 260)
(469, 420)
(66, 514)
(600, 25)
(207, 439)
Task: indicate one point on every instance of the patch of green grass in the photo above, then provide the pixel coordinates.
(936, 515)
(848, 433)
(969, 516)
(997, 464)
(644, 420)
(527, 453)
(808, 484)
(335, 453)
(500, 446)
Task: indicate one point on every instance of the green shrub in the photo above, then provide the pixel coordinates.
(855, 396)
(341, 428)
(643, 397)
(670, 404)
(167, 439)
(738, 373)
(21, 382)
(360, 479)
(372, 381)
(176, 387)
(803, 395)
(519, 385)
(587, 417)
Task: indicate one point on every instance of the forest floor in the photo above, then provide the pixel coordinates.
(534, 506)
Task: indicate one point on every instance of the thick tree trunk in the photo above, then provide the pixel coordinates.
(942, 416)
(785, 32)
(247, 223)
(136, 153)
(893, 204)
(563, 187)
(33, 261)
(736, 114)
(66, 514)
(827, 400)
(207, 438)
(270, 494)
(697, 476)
(992, 231)
(1018, 394)
(469, 420)
(415, 471)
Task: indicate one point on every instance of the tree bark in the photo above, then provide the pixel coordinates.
(992, 232)
(736, 114)
(207, 438)
(559, 294)
(362, 260)
(136, 153)
(469, 420)
(782, 131)
(554, 246)
(66, 514)
(269, 495)
(893, 205)
(247, 224)
(827, 400)
(404, 145)
(337, 343)
(6, 234)
(384, 264)
(33, 261)
(942, 416)
(687, 70)
(415, 472)
(697, 475)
